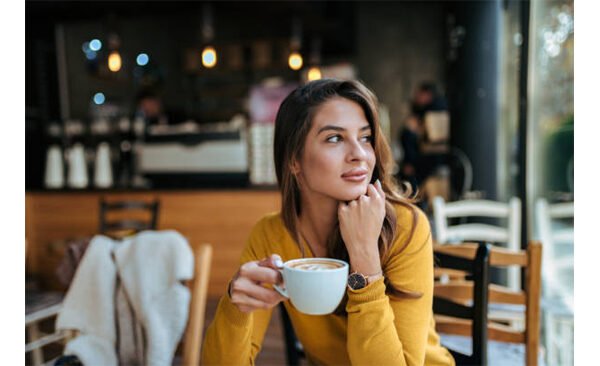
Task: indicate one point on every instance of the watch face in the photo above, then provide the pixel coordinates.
(357, 281)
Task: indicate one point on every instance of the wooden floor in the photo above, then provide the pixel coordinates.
(273, 348)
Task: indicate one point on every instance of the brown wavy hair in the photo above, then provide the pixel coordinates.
(292, 124)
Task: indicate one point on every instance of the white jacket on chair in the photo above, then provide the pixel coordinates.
(151, 266)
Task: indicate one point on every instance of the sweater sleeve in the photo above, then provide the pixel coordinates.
(234, 337)
(390, 331)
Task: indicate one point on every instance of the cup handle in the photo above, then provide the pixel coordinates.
(282, 291)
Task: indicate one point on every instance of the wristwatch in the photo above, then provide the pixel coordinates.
(357, 280)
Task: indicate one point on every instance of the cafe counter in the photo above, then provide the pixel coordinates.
(222, 218)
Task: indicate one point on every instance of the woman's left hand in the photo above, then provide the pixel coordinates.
(360, 225)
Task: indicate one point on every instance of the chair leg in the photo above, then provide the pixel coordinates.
(36, 354)
(566, 332)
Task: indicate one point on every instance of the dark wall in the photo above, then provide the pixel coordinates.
(473, 78)
(399, 45)
(41, 92)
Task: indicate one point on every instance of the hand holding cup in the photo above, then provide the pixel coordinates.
(247, 289)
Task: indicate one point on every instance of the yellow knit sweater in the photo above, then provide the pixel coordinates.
(378, 330)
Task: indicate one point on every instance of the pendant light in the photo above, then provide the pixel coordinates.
(295, 60)
(209, 53)
(314, 72)
(115, 61)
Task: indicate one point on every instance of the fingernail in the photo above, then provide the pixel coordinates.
(278, 263)
(378, 183)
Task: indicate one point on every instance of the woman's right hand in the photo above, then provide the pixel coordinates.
(246, 289)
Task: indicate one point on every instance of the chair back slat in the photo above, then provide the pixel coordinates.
(500, 294)
(562, 210)
(451, 325)
(502, 333)
(484, 208)
(447, 307)
(127, 215)
(463, 291)
(454, 262)
(136, 225)
(498, 256)
(447, 274)
(463, 327)
(460, 291)
(479, 232)
(563, 236)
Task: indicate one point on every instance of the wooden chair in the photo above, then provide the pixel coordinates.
(555, 229)
(43, 306)
(37, 340)
(192, 342)
(40, 306)
(192, 339)
(474, 316)
(526, 301)
(508, 235)
(558, 243)
(133, 216)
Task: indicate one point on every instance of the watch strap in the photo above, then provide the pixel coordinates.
(374, 277)
(368, 279)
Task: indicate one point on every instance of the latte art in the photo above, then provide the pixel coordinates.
(315, 285)
(316, 265)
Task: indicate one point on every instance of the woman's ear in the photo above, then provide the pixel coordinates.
(295, 167)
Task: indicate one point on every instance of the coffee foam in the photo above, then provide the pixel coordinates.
(321, 265)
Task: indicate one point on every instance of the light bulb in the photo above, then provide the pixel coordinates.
(295, 61)
(99, 98)
(114, 61)
(95, 45)
(314, 73)
(142, 59)
(209, 57)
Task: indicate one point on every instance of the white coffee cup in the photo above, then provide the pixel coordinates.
(315, 286)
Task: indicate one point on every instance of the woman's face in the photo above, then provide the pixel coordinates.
(338, 157)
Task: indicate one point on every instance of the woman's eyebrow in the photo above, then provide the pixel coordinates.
(338, 128)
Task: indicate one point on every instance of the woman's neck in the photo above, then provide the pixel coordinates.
(316, 221)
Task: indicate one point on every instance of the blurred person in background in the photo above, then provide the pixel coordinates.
(417, 164)
(339, 200)
(150, 106)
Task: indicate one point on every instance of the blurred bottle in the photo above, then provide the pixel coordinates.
(54, 175)
(103, 175)
(102, 167)
(78, 175)
(139, 132)
(125, 168)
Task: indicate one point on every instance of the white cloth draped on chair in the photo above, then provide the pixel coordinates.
(150, 267)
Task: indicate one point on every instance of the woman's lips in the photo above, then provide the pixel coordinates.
(355, 178)
(355, 175)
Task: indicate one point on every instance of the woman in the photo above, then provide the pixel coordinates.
(339, 201)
